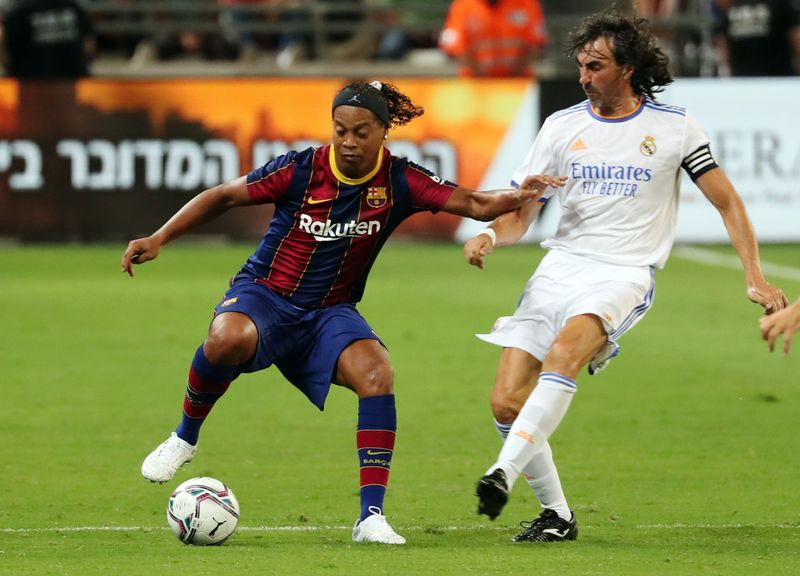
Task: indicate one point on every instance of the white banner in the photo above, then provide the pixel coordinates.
(754, 128)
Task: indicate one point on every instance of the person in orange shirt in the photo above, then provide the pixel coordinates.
(494, 37)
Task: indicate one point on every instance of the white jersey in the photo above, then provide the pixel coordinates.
(620, 202)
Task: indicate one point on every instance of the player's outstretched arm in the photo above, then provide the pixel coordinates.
(785, 323)
(721, 193)
(486, 206)
(506, 230)
(201, 209)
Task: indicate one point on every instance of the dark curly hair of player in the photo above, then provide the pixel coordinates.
(633, 44)
(401, 109)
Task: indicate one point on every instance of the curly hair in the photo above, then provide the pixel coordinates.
(401, 109)
(632, 43)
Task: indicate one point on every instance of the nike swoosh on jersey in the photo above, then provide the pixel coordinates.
(378, 452)
(313, 200)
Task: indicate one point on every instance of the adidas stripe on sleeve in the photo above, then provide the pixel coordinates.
(699, 162)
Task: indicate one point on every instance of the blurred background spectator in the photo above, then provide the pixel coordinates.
(410, 37)
(47, 39)
(758, 37)
(494, 37)
(405, 26)
(236, 18)
(679, 27)
(325, 29)
(119, 29)
(206, 32)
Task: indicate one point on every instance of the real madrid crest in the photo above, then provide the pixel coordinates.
(648, 146)
(376, 196)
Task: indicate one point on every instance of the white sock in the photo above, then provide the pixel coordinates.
(542, 476)
(502, 430)
(526, 449)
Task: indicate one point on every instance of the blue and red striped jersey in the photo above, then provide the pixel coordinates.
(327, 229)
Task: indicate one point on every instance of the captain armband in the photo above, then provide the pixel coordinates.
(699, 162)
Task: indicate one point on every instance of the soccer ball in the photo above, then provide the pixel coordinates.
(203, 511)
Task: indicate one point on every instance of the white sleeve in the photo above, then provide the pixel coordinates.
(694, 137)
(697, 157)
(539, 160)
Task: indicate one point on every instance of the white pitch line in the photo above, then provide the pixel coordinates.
(78, 529)
(712, 258)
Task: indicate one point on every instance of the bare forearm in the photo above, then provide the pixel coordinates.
(203, 208)
(511, 226)
(507, 229)
(720, 192)
(490, 205)
(487, 206)
(743, 239)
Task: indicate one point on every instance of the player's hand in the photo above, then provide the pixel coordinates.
(476, 248)
(535, 185)
(785, 323)
(770, 297)
(138, 252)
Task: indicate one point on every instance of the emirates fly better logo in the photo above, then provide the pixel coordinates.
(325, 231)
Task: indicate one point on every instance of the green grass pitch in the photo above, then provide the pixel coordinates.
(679, 459)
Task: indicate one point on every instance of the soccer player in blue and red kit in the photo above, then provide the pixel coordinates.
(293, 303)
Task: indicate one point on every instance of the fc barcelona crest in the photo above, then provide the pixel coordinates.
(376, 196)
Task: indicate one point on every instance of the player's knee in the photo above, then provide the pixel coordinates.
(230, 341)
(564, 359)
(376, 380)
(505, 408)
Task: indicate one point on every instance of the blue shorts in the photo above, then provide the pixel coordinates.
(304, 344)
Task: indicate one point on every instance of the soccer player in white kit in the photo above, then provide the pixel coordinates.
(619, 155)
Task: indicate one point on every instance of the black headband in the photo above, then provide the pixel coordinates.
(373, 102)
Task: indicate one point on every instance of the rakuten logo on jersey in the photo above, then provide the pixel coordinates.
(327, 230)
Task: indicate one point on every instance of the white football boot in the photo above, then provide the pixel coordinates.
(162, 463)
(375, 528)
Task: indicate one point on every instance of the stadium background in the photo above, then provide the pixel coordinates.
(110, 157)
(680, 458)
(113, 158)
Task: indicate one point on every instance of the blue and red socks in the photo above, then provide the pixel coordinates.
(207, 383)
(377, 424)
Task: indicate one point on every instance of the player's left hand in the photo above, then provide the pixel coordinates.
(784, 323)
(139, 251)
(476, 248)
(539, 183)
(770, 297)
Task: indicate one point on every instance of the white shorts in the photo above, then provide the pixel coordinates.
(565, 285)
